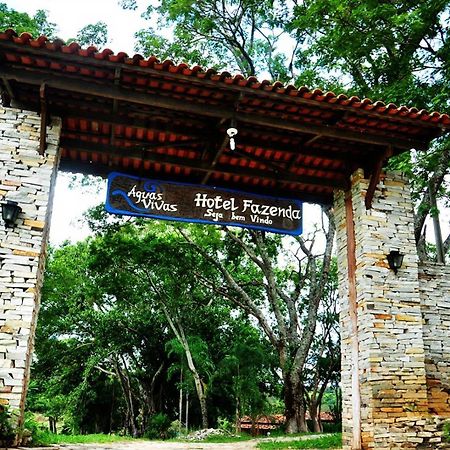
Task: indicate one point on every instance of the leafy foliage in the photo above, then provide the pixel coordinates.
(391, 50)
(22, 22)
(7, 434)
(244, 34)
(104, 341)
(93, 34)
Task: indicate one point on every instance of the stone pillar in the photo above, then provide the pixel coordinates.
(389, 355)
(28, 178)
(434, 280)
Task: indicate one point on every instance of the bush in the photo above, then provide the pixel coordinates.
(329, 427)
(7, 434)
(175, 429)
(33, 432)
(447, 432)
(158, 427)
(225, 425)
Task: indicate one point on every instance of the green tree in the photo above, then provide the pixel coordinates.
(242, 35)
(247, 371)
(324, 359)
(22, 22)
(93, 34)
(394, 50)
(163, 270)
(91, 345)
(284, 300)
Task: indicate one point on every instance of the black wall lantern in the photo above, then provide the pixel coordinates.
(395, 260)
(10, 212)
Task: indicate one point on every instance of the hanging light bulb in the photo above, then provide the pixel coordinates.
(232, 131)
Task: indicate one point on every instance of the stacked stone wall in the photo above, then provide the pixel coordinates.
(28, 178)
(435, 297)
(391, 335)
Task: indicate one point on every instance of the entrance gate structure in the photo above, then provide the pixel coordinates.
(74, 109)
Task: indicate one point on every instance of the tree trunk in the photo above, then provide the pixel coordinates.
(201, 398)
(314, 411)
(238, 415)
(199, 385)
(126, 388)
(294, 405)
(52, 425)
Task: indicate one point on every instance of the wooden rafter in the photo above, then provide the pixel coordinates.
(375, 177)
(251, 119)
(90, 64)
(195, 165)
(44, 119)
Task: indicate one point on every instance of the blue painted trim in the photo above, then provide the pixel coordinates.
(109, 208)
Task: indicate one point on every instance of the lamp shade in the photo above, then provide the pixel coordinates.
(10, 212)
(395, 260)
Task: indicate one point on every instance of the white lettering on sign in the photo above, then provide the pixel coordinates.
(213, 205)
(217, 202)
(131, 195)
(151, 200)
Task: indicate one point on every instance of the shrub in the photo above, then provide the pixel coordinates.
(7, 434)
(158, 427)
(447, 432)
(225, 425)
(33, 432)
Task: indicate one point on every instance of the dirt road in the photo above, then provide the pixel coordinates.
(163, 446)
(158, 445)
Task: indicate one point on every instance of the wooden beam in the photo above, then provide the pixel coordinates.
(96, 88)
(135, 70)
(201, 166)
(76, 110)
(8, 90)
(100, 169)
(375, 177)
(115, 107)
(298, 150)
(353, 313)
(44, 119)
(215, 159)
(278, 167)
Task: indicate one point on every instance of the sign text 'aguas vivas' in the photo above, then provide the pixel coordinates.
(134, 196)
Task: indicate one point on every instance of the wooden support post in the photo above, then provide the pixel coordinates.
(375, 178)
(44, 120)
(7, 94)
(352, 298)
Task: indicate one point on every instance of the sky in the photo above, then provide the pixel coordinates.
(70, 17)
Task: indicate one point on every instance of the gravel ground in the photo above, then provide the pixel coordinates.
(158, 445)
(154, 446)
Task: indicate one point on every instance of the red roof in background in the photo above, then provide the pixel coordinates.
(162, 120)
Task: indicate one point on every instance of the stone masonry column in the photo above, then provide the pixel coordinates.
(28, 178)
(383, 353)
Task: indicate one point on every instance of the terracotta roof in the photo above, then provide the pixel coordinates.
(162, 120)
(273, 421)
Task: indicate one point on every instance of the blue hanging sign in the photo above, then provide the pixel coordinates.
(167, 200)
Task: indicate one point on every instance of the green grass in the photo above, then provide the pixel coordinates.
(47, 438)
(226, 439)
(325, 442)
